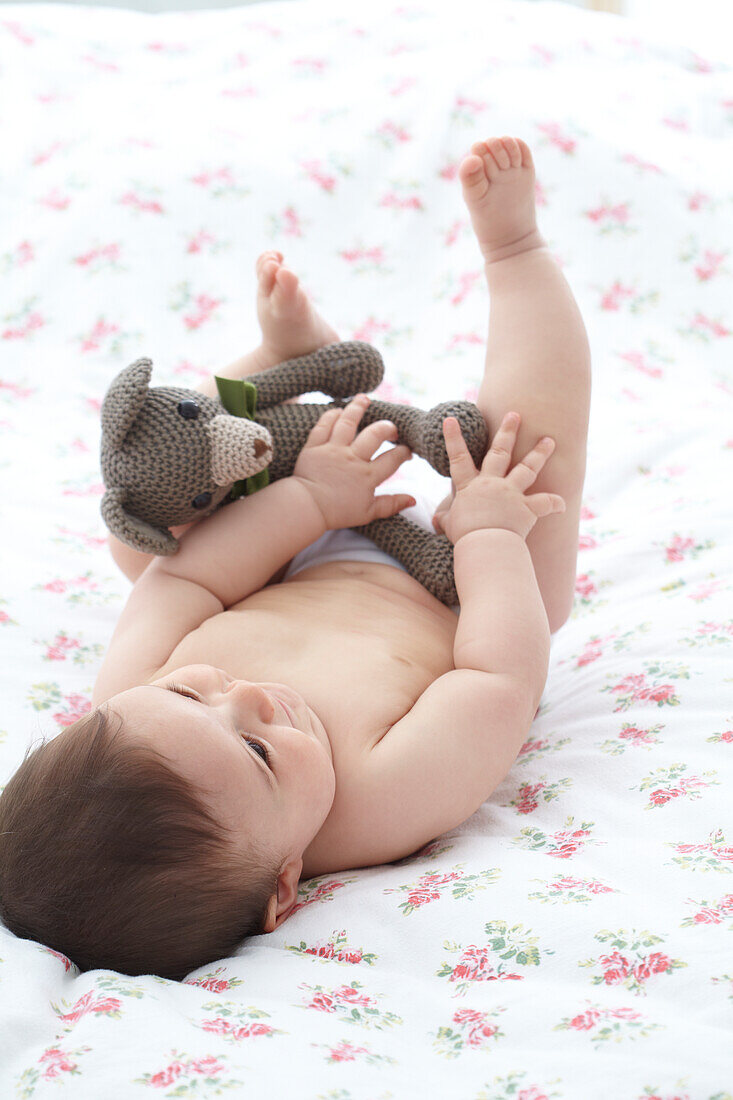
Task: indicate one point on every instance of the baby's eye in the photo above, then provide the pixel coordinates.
(183, 691)
(263, 751)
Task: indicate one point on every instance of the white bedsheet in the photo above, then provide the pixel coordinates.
(572, 939)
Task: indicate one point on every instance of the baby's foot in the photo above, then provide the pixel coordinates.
(498, 186)
(290, 324)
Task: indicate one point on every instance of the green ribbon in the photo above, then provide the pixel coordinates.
(239, 398)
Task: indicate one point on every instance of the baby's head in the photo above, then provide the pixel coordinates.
(160, 830)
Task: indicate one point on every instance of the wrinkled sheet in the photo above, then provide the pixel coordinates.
(572, 938)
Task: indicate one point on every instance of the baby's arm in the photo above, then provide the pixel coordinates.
(235, 551)
(435, 766)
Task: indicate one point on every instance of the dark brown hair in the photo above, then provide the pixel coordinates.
(110, 856)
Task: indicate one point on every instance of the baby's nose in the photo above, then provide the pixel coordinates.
(255, 695)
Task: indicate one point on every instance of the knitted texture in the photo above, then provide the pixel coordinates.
(426, 556)
(170, 456)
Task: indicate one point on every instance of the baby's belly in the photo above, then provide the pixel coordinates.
(359, 640)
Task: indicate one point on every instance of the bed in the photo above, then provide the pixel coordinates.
(572, 939)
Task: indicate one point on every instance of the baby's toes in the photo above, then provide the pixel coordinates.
(263, 258)
(288, 301)
(285, 290)
(513, 150)
(266, 278)
(472, 175)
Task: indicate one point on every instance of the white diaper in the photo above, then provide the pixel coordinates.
(347, 545)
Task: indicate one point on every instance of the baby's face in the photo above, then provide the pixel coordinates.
(219, 734)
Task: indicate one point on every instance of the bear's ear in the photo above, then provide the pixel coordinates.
(132, 531)
(123, 401)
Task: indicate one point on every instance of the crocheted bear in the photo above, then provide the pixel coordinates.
(171, 455)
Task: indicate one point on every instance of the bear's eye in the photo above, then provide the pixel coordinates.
(189, 410)
(203, 500)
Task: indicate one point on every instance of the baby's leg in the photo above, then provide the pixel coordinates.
(290, 327)
(290, 324)
(537, 356)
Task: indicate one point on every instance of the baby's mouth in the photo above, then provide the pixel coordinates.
(287, 712)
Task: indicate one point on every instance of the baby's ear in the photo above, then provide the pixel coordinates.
(270, 920)
(281, 905)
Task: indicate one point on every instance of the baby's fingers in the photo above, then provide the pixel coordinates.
(525, 472)
(386, 464)
(321, 430)
(545, 504)
(346, 426)
(462, 469)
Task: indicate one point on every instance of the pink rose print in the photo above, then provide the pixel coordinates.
(47, 154)
(19, 31)
(475, 965)
(231, 1030)
(584, 586)
(142, 206)
(310, 64)
(57, 1062)
(291, 223)
(712, 914)
(637, 360)
(556, 137)
(205, 307)
(354, 254)
(24, 254)
(215, 984)
(698, 200)
(707, 326)
(593, 650)
(710, 265)
(644, 165)
(55, 200)
(345, 1052)
(617, 968)
(656, 963)
(219, 175)
(370, 329)
(90, 1003)
(612, 299)
(175, 1070)
(634, 689)
(476, 1024)
(393, 134)
(102, 329)
(528, 800)
(403, 86)
(336, 948)
(33, 321)
(677, 547)
(585, 1021)
(469, 339)
(15, 390)
(609, 217)
(77, 706)
(108, 254)
(316, 174)
(323, 1002)
(59, 649)
(466, 282)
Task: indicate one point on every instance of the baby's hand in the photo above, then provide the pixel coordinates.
(491, 497)
(339, 472)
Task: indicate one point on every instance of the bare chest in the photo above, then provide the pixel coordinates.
(360, 642)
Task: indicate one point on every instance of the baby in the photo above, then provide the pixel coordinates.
(259, 719)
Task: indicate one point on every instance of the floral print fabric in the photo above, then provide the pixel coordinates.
(572, 938)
